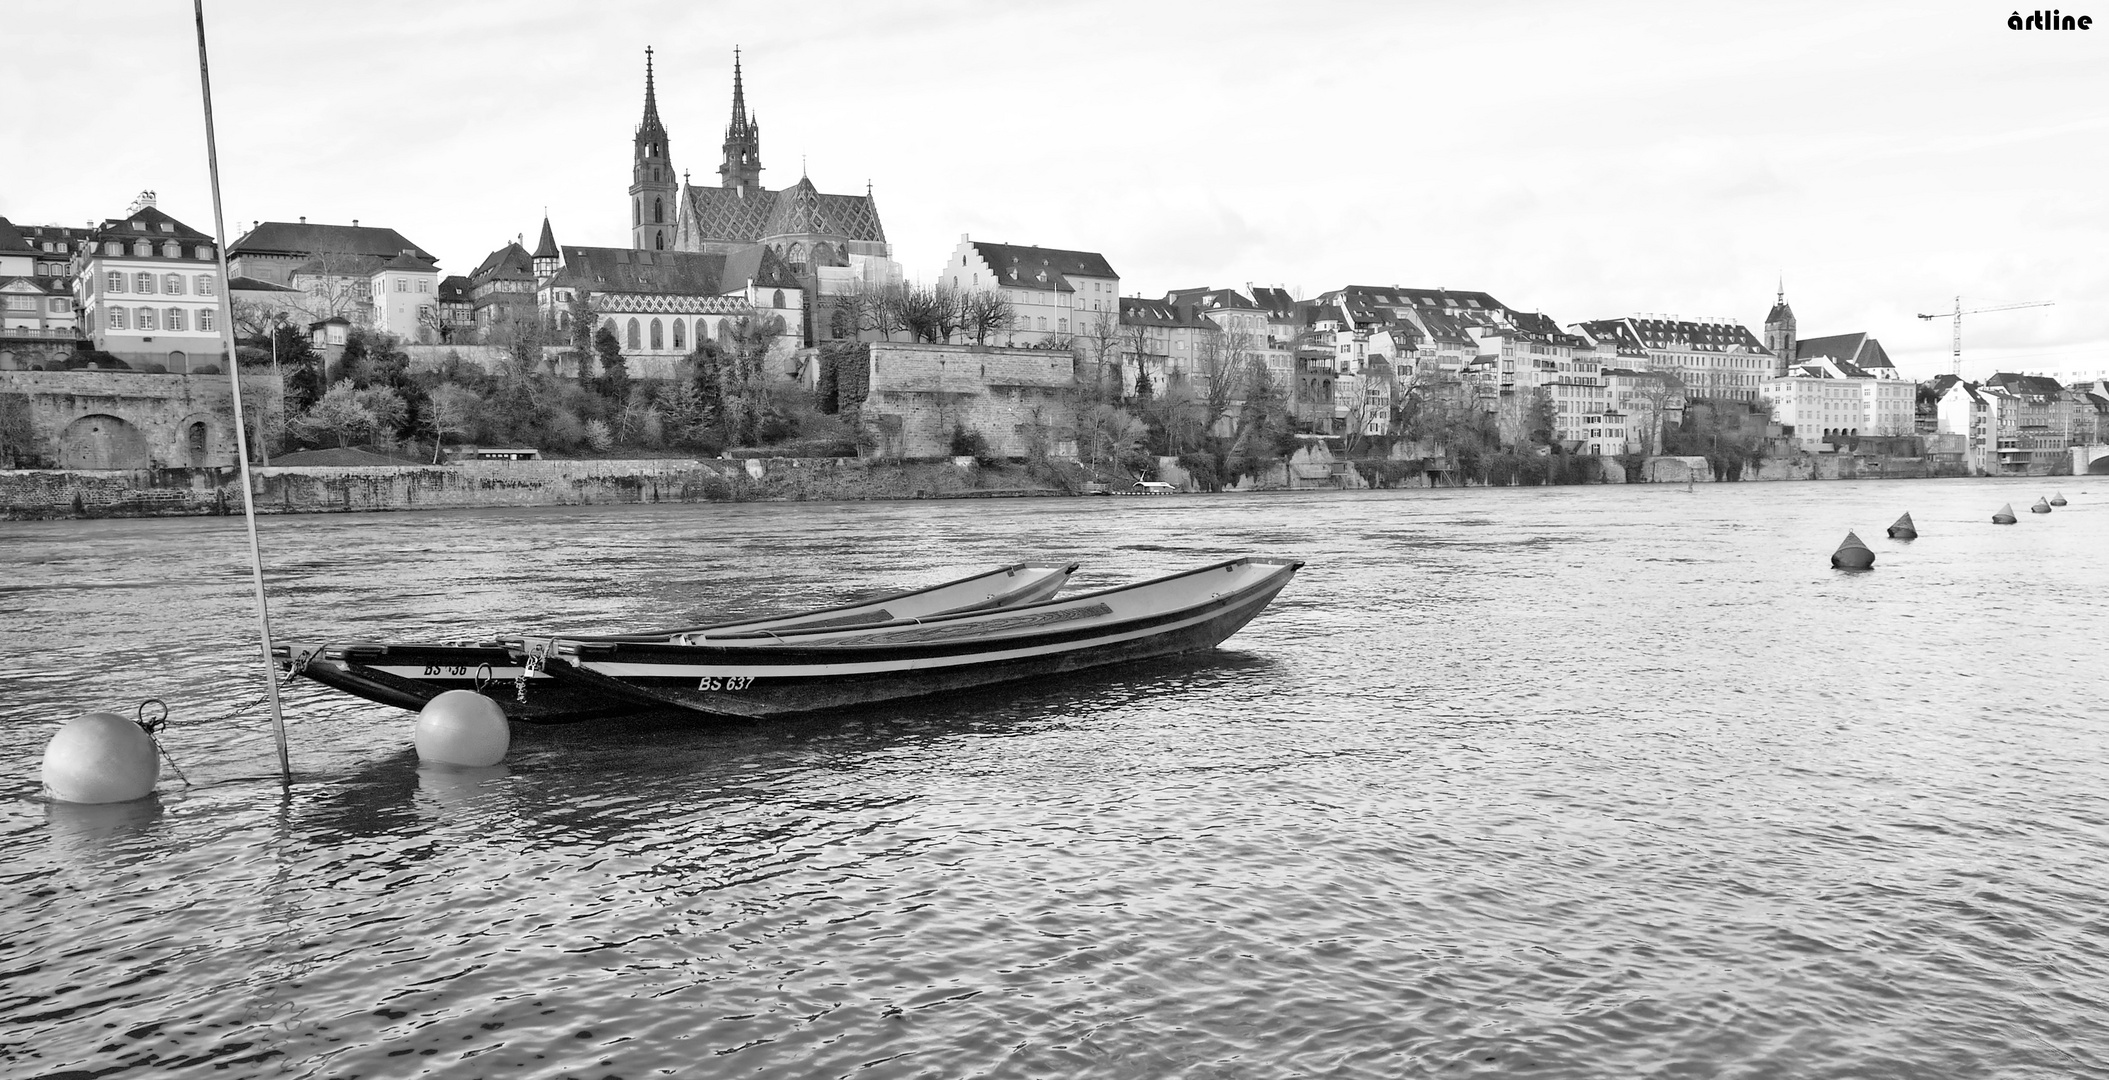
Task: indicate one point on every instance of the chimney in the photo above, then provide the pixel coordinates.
(355, 223)
(145, 199)
(303, 219)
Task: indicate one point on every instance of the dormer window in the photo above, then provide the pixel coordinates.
(172, 250)
(168, 226)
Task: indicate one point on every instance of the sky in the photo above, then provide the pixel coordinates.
(1586, 160)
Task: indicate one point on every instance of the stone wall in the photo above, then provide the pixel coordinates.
(41, 493)
(1022, 401)
(133, 420)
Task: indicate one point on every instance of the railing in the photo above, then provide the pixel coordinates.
(43, 334)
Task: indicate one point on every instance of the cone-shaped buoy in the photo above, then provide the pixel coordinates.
(2005, 516)
(1904, 529)
(2042, 506)
(462, 727)
(2058, 499)
(1852, 555)
(101, 758)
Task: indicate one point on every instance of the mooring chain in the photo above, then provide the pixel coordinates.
(155, 725)
(529, 667)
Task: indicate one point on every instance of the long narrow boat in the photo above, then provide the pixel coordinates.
(409, 675)
(783, 671)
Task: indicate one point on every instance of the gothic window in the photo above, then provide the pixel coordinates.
(658, 211)
(659, 240)
(609, 326)
(796, 256)
(777, 301)
(679, 337)
(632, 338)
(658, 341)
(824, 254)
(636, 211)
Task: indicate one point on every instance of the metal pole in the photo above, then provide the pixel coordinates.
(234, 378)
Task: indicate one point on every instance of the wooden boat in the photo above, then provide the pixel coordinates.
(780, 672)
(409, 675)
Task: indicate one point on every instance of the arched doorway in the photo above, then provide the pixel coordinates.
(101, 441)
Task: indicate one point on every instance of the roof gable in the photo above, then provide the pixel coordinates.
(1024, 266)
(301, 238)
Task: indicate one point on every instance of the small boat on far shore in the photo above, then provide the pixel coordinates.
(408, 675)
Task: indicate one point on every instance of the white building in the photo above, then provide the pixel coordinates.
(1833, 400)
(1054, 292)
(405, 293)
(149, 292)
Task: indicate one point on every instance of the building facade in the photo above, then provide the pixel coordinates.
(149, 291)
(1055, 293)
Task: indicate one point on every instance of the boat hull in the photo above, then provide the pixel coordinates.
(408, 676)
(787, 679)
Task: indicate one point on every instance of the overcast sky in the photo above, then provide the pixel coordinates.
(1586, 160)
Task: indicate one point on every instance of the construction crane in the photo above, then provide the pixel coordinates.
(1957, 315)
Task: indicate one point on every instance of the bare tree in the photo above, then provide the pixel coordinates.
(1223, 362)
(452, 411)
(986, 312)
(1097, 344)
(334, 284)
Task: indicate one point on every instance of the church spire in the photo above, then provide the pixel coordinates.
(651, 173)
(651, 98)
(742, 167)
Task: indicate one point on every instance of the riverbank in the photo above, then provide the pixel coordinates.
(37, 494)
(32, 494)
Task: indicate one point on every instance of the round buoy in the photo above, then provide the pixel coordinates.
(2058, 499)
(101, 758)
(1904, 529)
(1852, 554)
(2005, 516)
(462, 727)
(2042, 506)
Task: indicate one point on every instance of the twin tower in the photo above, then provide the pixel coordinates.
(653, 190)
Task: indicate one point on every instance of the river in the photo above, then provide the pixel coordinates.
(1548, 782)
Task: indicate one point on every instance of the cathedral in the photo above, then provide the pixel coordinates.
(833, 244)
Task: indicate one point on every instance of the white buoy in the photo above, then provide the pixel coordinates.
(462, 727)
(101, 758)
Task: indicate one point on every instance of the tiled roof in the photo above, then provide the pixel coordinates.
(298, 238)
(1278, 304)
(546, 248)
(672, 273)
(1213, 299)
(2034, 385)
(1684, 334)
(1780, 313)
(1023, 266)
(1167, 313)
(1394, 296)
(719, 215)
(11, 239)
(454, 289)
(407, 261)
(150, 219)
(510, 261)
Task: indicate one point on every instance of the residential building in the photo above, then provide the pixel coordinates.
(273, 250)
(1820, 404)
(405, 292)
(457, 314)
(1173, 342)
(502, 289)
(1056, 293)
(1711, 357)
(1970, 412)
(149, 290)
(39, 316)
(2033, 428)
(1642, 404)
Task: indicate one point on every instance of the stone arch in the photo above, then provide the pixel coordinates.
(102, 441)
(178, 361)
(777, 300)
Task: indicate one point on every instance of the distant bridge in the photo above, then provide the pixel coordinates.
(2090, 460)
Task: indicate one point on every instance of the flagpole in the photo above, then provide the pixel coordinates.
(234, 379)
